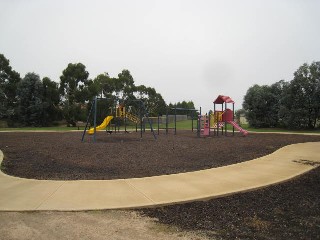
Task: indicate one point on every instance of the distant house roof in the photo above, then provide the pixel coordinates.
(223, 99)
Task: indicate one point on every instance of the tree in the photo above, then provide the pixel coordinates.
(9, 80)
(300, 104)
(153, 101)
(261, 104)
(73, 87)
(51, 100)
(102, 86)
(277, 91)
(30, 93)
(315, 80)
(184, 104)
(105, 85)
(124, 85)
(294, 104)
(3, 104)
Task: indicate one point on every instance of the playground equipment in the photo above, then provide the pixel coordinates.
(103, 125)
(228, 117)
(144, 114)
(120, 113)
(218, 119)
(215, 121)
(191, 110)
(206, 125)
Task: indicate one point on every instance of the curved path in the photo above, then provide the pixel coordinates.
(17, 194)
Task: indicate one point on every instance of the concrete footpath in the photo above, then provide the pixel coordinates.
(17, 194)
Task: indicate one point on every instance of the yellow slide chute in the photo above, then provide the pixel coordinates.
(103, 125)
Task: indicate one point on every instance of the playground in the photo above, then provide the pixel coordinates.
(142, 153)
(205, 125)
(111, 154)
(261, 214)
(62, 156)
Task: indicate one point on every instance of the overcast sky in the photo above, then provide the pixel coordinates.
(186, 50)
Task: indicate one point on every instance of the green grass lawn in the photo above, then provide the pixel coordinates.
(246, 126)
(40, 129)
(181, 125)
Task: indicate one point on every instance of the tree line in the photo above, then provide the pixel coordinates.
(32, 101)
(294, 104)
(183, 108)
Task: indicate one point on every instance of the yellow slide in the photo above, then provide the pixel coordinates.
(103, 125)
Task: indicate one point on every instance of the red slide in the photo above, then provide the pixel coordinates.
(244, 132)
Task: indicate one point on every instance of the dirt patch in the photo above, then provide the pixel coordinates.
(62, 156)
(119, 225)
(286, 211)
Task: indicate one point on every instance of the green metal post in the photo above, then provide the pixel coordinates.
(87, 123)
(95, 120)
(175, 120)
(158, 124)
(192, 116)
(199, 124)
(232, 118)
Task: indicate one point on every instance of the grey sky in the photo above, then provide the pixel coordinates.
(186, 50)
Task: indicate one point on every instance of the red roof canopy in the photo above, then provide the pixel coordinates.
(223, 99)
